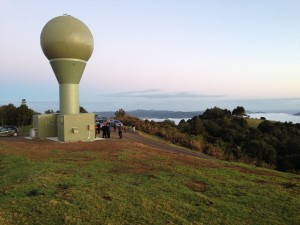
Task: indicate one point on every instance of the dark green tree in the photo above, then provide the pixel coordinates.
(196, 126)
(239, 111)
(24, 115)
(260, 150)
(82, 110)
(8, 115)
(289, 163)
(120, 113)
(216, 113)
(266, 126)
(49, 111)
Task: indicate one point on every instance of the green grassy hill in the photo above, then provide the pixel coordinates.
(122, 182)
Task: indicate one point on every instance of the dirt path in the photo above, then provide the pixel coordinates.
(128, 137)
(162, 145)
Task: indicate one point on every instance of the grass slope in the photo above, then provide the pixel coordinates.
(130, 183)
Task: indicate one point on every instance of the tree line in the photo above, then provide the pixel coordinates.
(22, 115)
(228, 135)
(18, 116)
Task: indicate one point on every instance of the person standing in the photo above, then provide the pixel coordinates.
(98, 128)
(108, 130)
(104, 130)
(120, 131)
(95, 130)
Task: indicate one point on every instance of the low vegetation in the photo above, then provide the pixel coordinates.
(121, 182)
(231, 136)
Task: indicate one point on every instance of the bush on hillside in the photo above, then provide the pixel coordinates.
(222, 135)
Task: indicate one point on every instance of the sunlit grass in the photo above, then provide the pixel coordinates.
(253, 122)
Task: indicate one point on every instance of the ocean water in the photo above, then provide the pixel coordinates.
(280, 117)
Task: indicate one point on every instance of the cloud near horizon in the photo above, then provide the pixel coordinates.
(157, 93)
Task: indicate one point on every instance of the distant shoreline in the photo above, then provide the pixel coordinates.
(280, 117)
(276, 115)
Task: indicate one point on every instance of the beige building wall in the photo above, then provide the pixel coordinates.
(76, 127)
(45, 125)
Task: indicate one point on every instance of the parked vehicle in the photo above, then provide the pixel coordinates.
(101, 121)
(116, 122)
(9, 131)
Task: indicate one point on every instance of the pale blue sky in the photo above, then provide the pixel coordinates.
(167, 54)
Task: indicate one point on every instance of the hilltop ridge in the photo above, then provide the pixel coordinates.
(160, 114)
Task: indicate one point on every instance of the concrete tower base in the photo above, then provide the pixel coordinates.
(45, 125)
(76, 127)
(68, 128)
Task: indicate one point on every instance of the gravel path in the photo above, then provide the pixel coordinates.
(162, 145)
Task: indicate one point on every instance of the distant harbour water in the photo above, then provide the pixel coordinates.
(280, 117)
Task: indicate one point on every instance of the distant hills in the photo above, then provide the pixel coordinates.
(160, 114)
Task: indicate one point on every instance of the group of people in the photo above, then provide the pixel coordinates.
(106, 130)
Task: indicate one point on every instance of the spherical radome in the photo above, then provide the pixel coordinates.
(67, 37)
